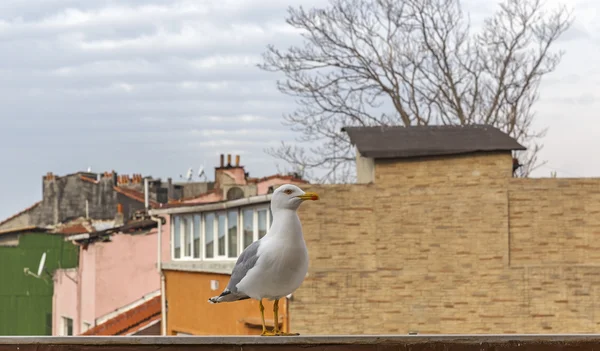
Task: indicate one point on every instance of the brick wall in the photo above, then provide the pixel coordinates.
(429, 247)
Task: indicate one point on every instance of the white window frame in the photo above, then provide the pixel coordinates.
(254, 210)
(240, 232)
(237, 216)
(173, 239)
(200, 247)
(203, 235)
(64, 326)
(182, 234)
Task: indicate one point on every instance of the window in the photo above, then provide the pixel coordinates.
(187, 236)
(67, 326)
(232, 231)
(177, 237)
(197, 228)
(209, 235)
(262, 223)
(248, 227)
(220, 235)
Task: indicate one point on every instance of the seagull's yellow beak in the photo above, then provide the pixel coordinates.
(309, 196)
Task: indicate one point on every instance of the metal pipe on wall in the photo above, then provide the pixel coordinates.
(163, 299)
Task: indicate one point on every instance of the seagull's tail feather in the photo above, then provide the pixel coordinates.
(228, 296)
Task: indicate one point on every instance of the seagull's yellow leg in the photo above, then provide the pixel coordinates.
(262, 317)
(276, 330)
(276, 317)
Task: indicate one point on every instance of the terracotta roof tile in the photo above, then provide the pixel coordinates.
(184, 199)
(129, 321)
(77, 228)
(134, 194)
(283, 177)
(87, 179)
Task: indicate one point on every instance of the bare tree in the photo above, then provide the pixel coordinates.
(411, 62)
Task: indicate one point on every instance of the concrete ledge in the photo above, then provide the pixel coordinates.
(359, 342)
(221, 267)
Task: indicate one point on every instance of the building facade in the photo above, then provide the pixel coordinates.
(25, 298)
(116, 273)
(206, 234)
(205, 241)
(438, 238)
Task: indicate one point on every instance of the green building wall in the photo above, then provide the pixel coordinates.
(26, 301)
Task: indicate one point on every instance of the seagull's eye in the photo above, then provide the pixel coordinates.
(288, 191)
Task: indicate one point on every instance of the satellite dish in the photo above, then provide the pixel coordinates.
(201, 172)
(42, 263)
(190, 174)
(40, 269)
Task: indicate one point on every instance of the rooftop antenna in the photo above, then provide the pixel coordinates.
(201, 173)
(89, 169)
(189, 175)
(41, 268)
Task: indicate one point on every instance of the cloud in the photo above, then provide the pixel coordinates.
(158, 86)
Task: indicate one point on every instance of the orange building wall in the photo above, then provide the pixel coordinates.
(189, 311)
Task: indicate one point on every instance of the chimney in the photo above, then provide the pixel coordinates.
(119, 216)
(222, 160)
(228, 160)
(169, 189)
(237, 160)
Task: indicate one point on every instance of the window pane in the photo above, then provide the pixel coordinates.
(248, 225)
(221, 233)
(187, 236)
(176, 237)
(232, 233)
(262, 223)
(209, 234)
(196, 236)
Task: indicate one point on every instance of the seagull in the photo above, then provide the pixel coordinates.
(275, 265)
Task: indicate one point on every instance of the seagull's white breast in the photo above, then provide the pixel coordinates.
(281, 266)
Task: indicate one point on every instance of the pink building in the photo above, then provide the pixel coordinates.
(117, 272)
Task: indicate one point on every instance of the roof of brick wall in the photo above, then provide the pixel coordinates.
(418, 141)
(129, 321)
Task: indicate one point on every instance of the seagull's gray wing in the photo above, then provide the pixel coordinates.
(244, 263)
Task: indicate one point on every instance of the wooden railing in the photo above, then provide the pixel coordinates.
(304, 343)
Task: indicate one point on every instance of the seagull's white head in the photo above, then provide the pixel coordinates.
(290, 197)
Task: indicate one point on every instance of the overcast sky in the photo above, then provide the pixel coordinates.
(156, 87)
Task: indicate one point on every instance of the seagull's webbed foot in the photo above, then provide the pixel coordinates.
(276, 330)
